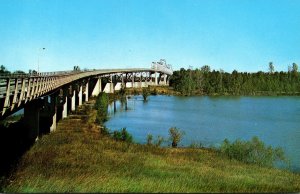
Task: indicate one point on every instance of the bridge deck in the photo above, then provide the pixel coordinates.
(16, 89)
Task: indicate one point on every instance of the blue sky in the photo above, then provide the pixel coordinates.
(226, 34)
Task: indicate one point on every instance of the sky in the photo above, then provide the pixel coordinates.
(243, 35)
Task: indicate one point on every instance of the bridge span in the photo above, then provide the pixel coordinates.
(54, 94)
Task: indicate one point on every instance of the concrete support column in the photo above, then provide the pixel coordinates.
(65, 108)
(54, 112)
(87, 91)
(97, 88)
(167, 80)
(111, 84)
(53, 126)
(73, 100)
(123, 85)
(151, 81)
(32, 119)
(146, 82)
(80, 96)
(155, 82)
(132, 80)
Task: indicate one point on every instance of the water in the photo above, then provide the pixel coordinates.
(209, 120)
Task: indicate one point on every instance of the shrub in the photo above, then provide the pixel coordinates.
(101, 106)
(122, 92)
(195, 144)
(154, 92)
(175, 136)
(122, 135)
(145, 93)
(159, 141)
(149, 139)
(135, 92)
(117, 135)
(104, 130)
(253, 151)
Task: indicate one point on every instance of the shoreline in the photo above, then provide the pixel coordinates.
(167, 90)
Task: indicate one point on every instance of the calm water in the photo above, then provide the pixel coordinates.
(209, 120)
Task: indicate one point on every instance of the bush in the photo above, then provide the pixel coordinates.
(154, 92)
(253, 151)
(104, 130)
(159, 141)
(175, 136)
(145, 93)
(135, 92)
(149, 139)
(195, 145)
(101, 106)
(122, 135)
(122, 92)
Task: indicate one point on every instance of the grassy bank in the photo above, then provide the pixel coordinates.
(77, 158)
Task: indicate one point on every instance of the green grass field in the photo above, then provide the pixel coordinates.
(77, 158)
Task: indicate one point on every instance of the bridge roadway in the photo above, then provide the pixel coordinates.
(60, 92)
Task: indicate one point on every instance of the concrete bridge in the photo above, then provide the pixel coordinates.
(54, 94)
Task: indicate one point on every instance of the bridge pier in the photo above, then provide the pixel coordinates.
(73, 101)
(123, 84)
(165, 79)
(155, 79)
(87, 91)
(111, 84)
(32, 118)
(133, 76)
(80, 95)
(65, 108)
(54, 120)
(98, 87)
(54, 112)
(141, 79)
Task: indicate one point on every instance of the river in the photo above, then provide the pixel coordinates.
(209, 120)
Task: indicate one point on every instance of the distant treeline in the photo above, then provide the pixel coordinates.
(203, 81)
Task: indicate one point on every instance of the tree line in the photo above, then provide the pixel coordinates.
(205, 81)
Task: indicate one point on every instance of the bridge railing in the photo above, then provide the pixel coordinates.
(41, 74)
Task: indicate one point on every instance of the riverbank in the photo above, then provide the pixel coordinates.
(167, 90)
(77, 158)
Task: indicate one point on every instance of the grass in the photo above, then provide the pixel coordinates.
(77, 158)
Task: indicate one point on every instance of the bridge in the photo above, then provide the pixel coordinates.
(55, 94)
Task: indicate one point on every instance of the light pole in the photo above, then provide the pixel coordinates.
(39, 53)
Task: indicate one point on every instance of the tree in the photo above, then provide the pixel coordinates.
(271, 67)
(205, 69)
(19, 72)
(175, 136)
(3, 69)
(295, 69)
(101, 107)
(145, 93)
(149, 139)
